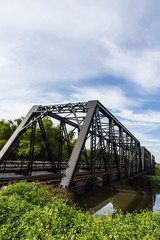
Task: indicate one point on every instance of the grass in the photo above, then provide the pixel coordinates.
(33, 211)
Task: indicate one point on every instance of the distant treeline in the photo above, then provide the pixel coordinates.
(21, 149)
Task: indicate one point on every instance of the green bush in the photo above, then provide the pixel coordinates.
(157, 170)
(33, 211)
(155, 181)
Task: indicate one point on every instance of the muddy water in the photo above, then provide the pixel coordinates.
(108, 202)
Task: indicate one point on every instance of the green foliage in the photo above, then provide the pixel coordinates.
(6, 130)
(33, 211)
(39, 147)
(22, 148)
(157, 170)
(155, 179)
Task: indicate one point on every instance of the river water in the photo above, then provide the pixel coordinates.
(108, 202)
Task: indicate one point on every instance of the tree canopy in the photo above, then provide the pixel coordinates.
(21, 149)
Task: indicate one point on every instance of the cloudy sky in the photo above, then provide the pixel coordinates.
(76, 50)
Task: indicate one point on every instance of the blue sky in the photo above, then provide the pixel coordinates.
(71, 50)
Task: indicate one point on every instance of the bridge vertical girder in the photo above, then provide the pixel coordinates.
(32, 142)
(60, 146)
(93, 150)
(75, 155)
(107, 161)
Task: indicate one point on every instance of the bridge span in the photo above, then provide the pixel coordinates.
(104, 151)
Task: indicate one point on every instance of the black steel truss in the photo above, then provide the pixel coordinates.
(101, 139)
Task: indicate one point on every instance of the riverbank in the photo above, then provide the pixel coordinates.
(32, 211)
(139, 185)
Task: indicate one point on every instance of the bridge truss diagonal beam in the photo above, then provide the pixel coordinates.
(17, 133)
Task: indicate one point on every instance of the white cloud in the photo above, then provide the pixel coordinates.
(110, 96)
(4, 63)
(146, 116)
(16, 107)
(141, 67)
(75, 40)
(71, 18)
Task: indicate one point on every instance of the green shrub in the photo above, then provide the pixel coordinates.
(35, 193)
(157, 170)
(33, 211)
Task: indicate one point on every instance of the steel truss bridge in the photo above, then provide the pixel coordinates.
(104, 151)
